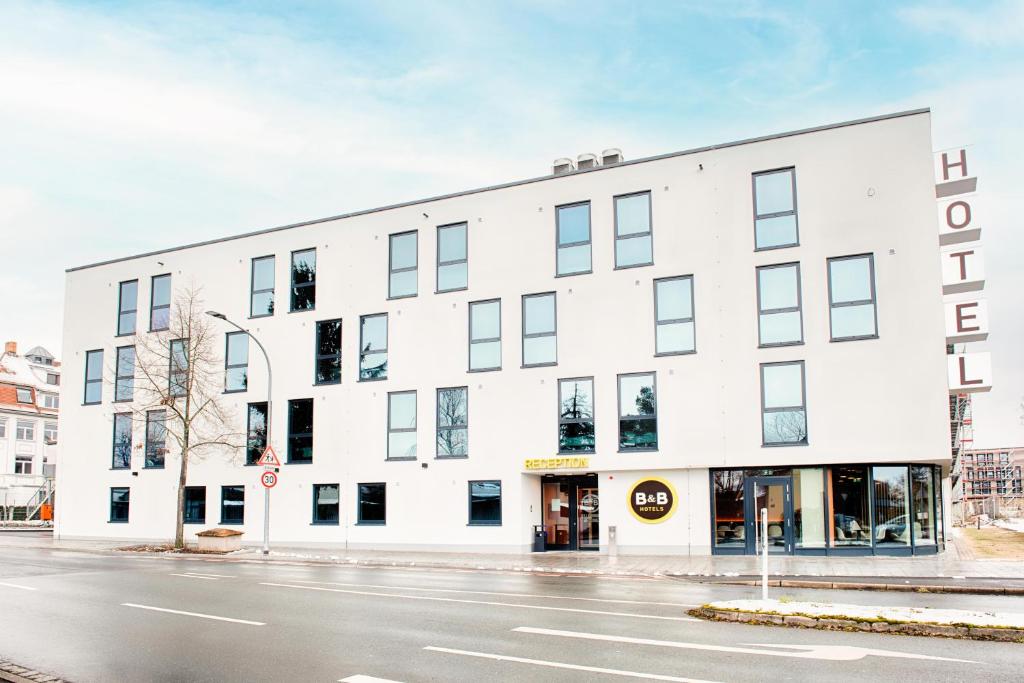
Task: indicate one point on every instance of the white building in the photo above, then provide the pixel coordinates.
(630, 353)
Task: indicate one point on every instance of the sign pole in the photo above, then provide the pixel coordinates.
(764, 552)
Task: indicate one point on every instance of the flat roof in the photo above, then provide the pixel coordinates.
(515, 183)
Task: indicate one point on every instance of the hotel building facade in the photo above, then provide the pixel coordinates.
(623, 356)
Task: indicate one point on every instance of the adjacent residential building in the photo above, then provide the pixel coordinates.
(991, 481)
(619, 356)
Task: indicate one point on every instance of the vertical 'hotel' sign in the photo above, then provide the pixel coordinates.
(963, 269)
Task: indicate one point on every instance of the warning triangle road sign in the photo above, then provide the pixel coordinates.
(269, 458)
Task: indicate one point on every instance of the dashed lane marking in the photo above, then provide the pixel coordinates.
(193, 614)
(360, 678)
(194, 576)
(17, 585)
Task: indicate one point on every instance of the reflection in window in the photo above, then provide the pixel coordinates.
(923, 486)
(236, 361)
(775, 222)
(325, 503)
(572, 223)
(576, 415)
(485, 335)
(261, 301)
(303, 280)
(124, 374)
(892, 506)
(540, 345)
(849, 506)
(673, 316)
(300, 430)
(452, 267)
(485, 503)
(453, 422)
(373, 347)
(851, 289)
(127, 306)
(809, 507)
(232, 504)
(633, 245)
(780, 320)
(119, 500)
(372, 504)
(256, 432)
(156, 438)
(178, 379)
(402, 425)
(122, 455)
(638, 413)
(195, 505)
(784, 414)
(160, 303)
(402, 267)
(729, 513)
(328, 352)
(93, 376)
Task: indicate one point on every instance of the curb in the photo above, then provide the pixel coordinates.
(12, 673)
(1009, 635)
(869, 586)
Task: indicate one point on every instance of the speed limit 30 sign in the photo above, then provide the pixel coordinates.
(269, 479)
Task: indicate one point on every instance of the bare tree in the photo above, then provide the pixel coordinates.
(451, 434)
(176, 389)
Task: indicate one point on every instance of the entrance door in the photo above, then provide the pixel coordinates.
(775, 494)
(571, 513)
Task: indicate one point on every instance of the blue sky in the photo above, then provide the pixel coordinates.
(134, 126)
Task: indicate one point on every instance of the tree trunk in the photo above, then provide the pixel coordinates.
(179, 526)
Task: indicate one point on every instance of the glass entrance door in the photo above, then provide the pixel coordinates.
(776, 495)
(571, 513)
(587, 511)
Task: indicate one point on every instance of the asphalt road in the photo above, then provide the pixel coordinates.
(129, 618)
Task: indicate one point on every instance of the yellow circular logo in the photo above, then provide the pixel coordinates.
(652, 500)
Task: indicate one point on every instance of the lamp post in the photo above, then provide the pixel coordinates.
(270, 385)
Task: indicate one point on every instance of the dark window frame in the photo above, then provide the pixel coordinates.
(414, 268)
(592, 420)
(794, 211)
(249, 460)
(272, 289)
(799, 308)
(534, 335)
(674, 321)
(367, 351)
(153, 308)
(228, 366)
(295, 435)
(223, 490)
(832, 305)
(316, 521)
(124, 311)
(185, 516)
(173, 373)
(618, 391)
(94, 380)
(115, 455)
(151, 443)
(589, 242)
(402, 430)
(359, 504)
(469, 502)
(126, 502)
(781, 409)
(440, 264)
(127, 380)
(302, 285)
(636, 235)
(483, 340)
(318, 357)
(449, 428)
(19, 395)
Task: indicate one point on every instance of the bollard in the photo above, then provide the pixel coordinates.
(764, 551)
(613, 541)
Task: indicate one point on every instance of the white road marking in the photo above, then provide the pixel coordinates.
(194, 614)
(835, 653)
(15, 585)
(216, 576)
(482, 602)
(511, 595)
(194, 576)
(564, 665)
(360, 678)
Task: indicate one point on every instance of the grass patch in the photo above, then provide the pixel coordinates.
(995, 543)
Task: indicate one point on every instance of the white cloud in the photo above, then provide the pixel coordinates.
(996, 25)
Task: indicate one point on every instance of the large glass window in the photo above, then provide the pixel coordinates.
(373, 347)
(328, 352)
(256, 432)
(729, 514)
(485, 335)
(177, 378)
(576, 415)
(633, 244)
(300, 430)
(122, 451)
(195, 505)
(23, 394)
(780, 320)
(453, 422)
(452, 266)
(119, 500)
(848, 506)
(372, 504)
(402, 425)
(93, 377)
(325, 503)
(127, 306)
(25, 430)
(923, 487)
(22, 464)
(402, 265)
(638, 412)
(303, 280)
(261, 298)
(572, 223)
(540, 345)
(485, 503)
(673, 316)
(784, 412)
(124, 374)
(232, 504)
(851, 291)
(775, 222)
(156, 438)
(160, 303)
(50, 432)
(236, 361)
(809, 507)
(892, 506)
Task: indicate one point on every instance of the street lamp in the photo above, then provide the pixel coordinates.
(270, 384)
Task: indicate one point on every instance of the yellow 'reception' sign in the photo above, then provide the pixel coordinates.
(556, 463)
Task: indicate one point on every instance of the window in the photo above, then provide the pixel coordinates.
(728, 489)
(572, 225)
(373, 347)
(261, 297)
(119, 504)
(638, 412)
(51, 401)
(325, 503)
(452, 267)
(372, 505)
(851, 292)
(633, 245)
(25, 430)
(673, 316)
(50, 432)
(402, 425)
(156, 438)
(3, 428)
(328, 352)
(256, 432)
(453, 422)
(127, 307)
(540, 345)
(402, 263)
(485, 335)
(232, 504)
(809, 507)
(775, 223)
(576, 415)
(485, 503)
(300, 430)
(160, 303)
(53, 378)
(780, 319)
(236, 361)
(124, 374)
(304, 280)
(848, 506)
(24, 394)
(784, 412)
(93, 377)
(892, 506)
(22, 464)
(195, 505)
(177, 378)
(122, 451)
